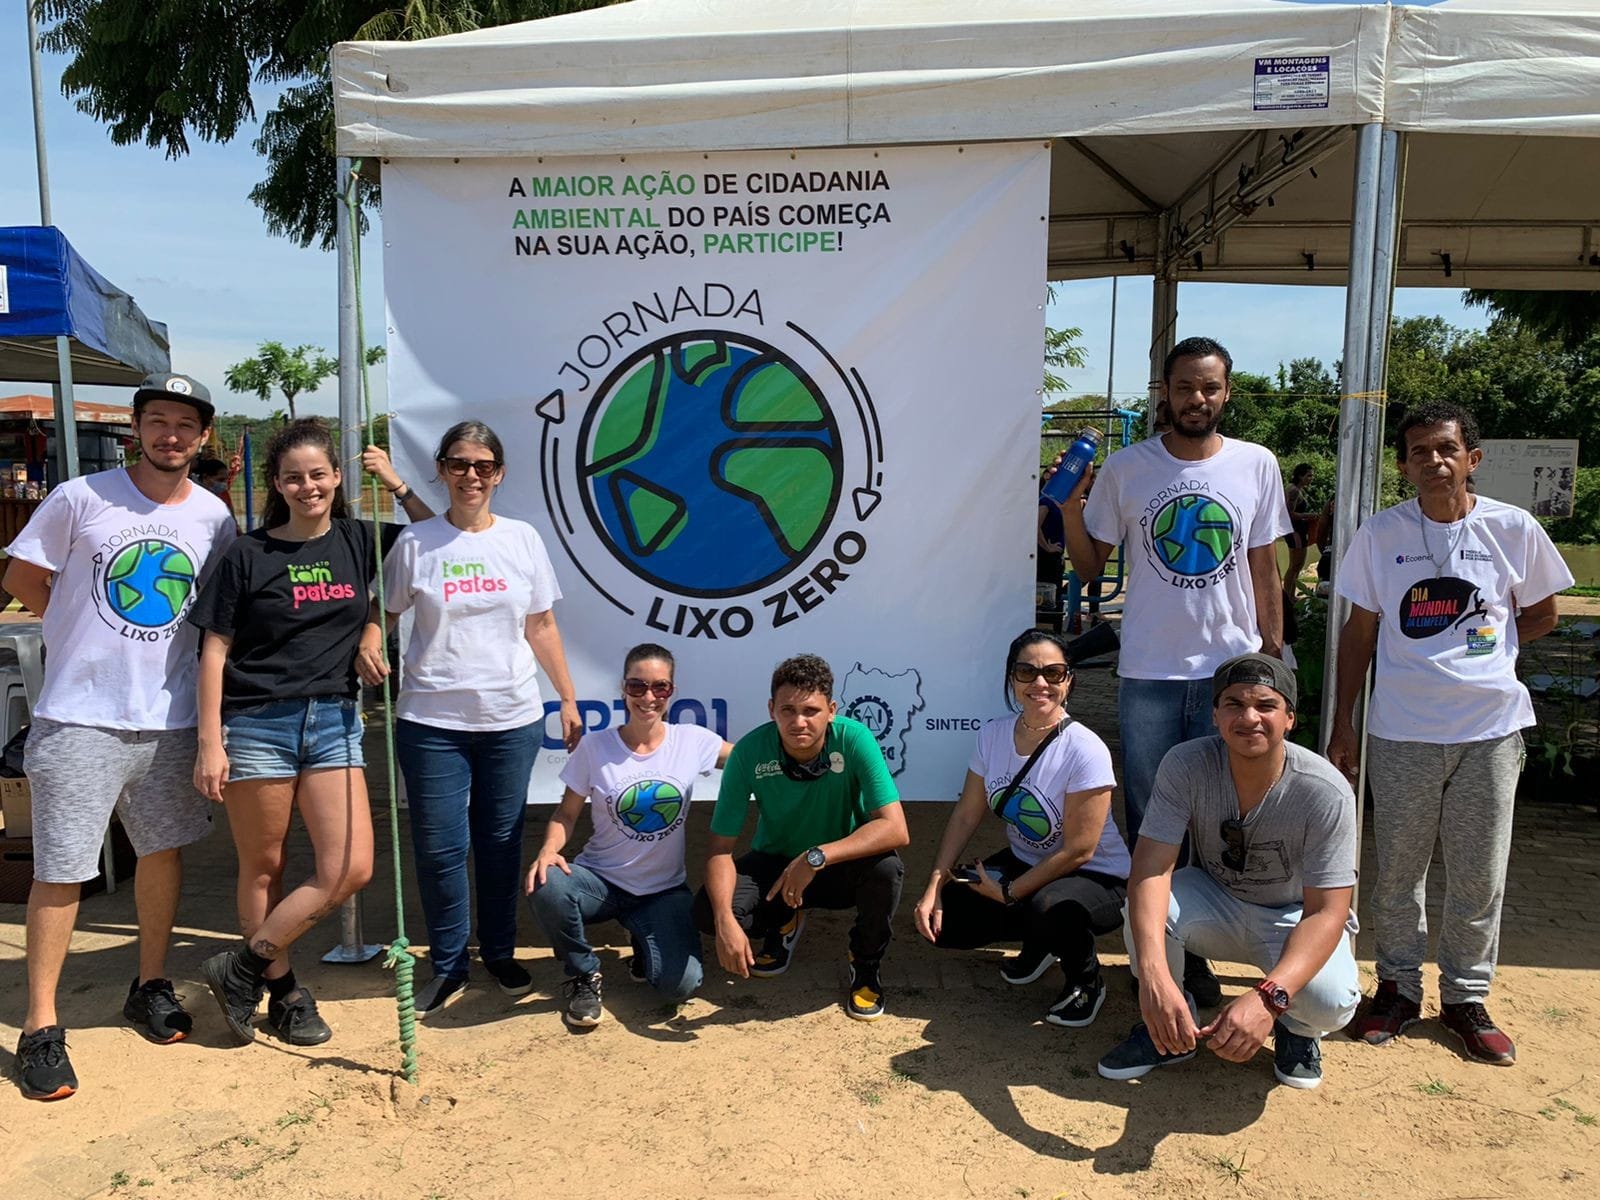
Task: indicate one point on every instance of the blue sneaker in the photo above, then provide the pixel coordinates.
(1138, 1056)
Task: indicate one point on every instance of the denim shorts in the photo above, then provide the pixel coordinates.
(281, 738)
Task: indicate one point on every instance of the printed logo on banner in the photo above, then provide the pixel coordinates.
(884, 702)
(718, 477)
(1192, 535)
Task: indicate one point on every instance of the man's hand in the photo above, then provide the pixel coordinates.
(1079, 490)
(1166, 1014)
(1344, 752)
(792, 884)
(1240, 1029)
(733, 949)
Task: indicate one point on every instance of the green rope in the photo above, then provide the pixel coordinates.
(399, 959)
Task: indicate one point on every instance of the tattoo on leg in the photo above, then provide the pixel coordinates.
(264, 948)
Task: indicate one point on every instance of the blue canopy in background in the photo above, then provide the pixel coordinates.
(48, 291)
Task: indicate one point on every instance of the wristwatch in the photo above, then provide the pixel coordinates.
(1273, 996)
(1005, 892)
(816, 859)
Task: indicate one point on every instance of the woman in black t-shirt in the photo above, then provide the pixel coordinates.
(289, 628)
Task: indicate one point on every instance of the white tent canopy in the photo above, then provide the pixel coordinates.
(1153, 103)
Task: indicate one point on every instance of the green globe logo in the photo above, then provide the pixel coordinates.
(650, 805)
(149, 582)
(1025, 813)
(710, 463)
(1192, 535)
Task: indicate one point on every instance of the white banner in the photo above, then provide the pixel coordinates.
(756, 404)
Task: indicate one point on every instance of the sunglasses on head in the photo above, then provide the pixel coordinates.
(1052, 672)
(485, 467)
(1235, 844)
(660, 688)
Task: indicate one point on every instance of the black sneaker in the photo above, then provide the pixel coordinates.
(296, 1020)
(513, 979)
(1027, 965)
(1296, 1060)
(1137, 1056)
(43, 1067)
(1078, 1004)
(778, 947)
(583, 1001)
(238, 993)
(155, 1012)
(865, 999)
(1201, 982)
(637, 971)
(438, 994)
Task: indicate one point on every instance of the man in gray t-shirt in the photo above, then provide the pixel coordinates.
(1272, 827)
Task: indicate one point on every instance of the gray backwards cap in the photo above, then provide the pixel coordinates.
(1257, 668)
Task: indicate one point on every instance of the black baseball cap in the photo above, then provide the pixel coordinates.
(183, 388)
(1260, 669)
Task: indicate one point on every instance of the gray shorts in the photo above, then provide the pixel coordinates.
(80, 773)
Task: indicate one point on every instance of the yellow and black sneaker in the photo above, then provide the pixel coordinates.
(777, 949)
(865, 1001)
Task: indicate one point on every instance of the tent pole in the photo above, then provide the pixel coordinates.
(66, 408)
(1163, 315)
(353, 946)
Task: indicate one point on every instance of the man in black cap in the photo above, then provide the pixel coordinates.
(111, 562)
(1272, 826)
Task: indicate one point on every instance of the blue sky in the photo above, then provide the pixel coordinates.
(183, 237)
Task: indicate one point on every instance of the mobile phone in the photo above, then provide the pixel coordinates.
(968, 874)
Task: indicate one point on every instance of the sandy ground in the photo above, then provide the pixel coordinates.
(765, 1088)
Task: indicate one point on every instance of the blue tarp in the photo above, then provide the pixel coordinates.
(48, 291)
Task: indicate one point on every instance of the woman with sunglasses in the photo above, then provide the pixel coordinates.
(1062, 879)
(639, 779)
(470, 717)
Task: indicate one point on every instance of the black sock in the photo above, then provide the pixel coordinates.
(279, 988)
(254, 965)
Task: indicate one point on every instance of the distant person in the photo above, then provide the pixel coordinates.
(1198, 516)
(1444, 589)
(111, 562)
(829, 824)
(638, 779)
(1302, 515)
(470, 719)
(291, 632)
(1063, 876)
(1273, 828)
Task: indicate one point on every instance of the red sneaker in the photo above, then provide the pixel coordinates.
(1385, 1017)
(1480, 1037)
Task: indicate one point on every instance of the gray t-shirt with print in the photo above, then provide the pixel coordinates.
(1302, 834)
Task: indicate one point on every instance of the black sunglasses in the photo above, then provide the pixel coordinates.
(1053, 672)
(809, 771)
(660, 689)
(1236, 844)
(485, 467)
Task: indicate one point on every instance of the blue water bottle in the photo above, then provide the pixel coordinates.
(1076, 461)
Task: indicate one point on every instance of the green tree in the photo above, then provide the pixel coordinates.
(1570, 318)
(166, 72)
(276, 368)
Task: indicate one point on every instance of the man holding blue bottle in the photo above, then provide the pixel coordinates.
(1198, 516)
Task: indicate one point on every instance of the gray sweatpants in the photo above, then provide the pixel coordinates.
(1460, 795)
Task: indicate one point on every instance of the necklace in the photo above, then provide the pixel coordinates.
(1449, 550)
(1037, 728)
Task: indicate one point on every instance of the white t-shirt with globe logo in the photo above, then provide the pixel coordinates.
(1185, 528)
(120, 654)
(639, 804)
(1076, 761)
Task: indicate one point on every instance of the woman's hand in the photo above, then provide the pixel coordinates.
(929, 913)
(571, 725)
(372, 659)
(541, 869)
(211, 772)
(987, 886)
(375, 461)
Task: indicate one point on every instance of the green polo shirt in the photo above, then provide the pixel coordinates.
(795, 816)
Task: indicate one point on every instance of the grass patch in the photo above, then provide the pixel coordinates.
(1234, 1169)
(293, 1118)
(1435, 1087)
(120, 1179)
(1556, 1015)
(1578, 1115)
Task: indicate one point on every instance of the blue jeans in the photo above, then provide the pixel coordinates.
(661, 923)
(467, 790)
(1155, 715)
(1204, 918)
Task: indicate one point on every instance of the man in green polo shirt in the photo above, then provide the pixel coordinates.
(829, 825)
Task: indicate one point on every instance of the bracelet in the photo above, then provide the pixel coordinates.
(402, 493)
